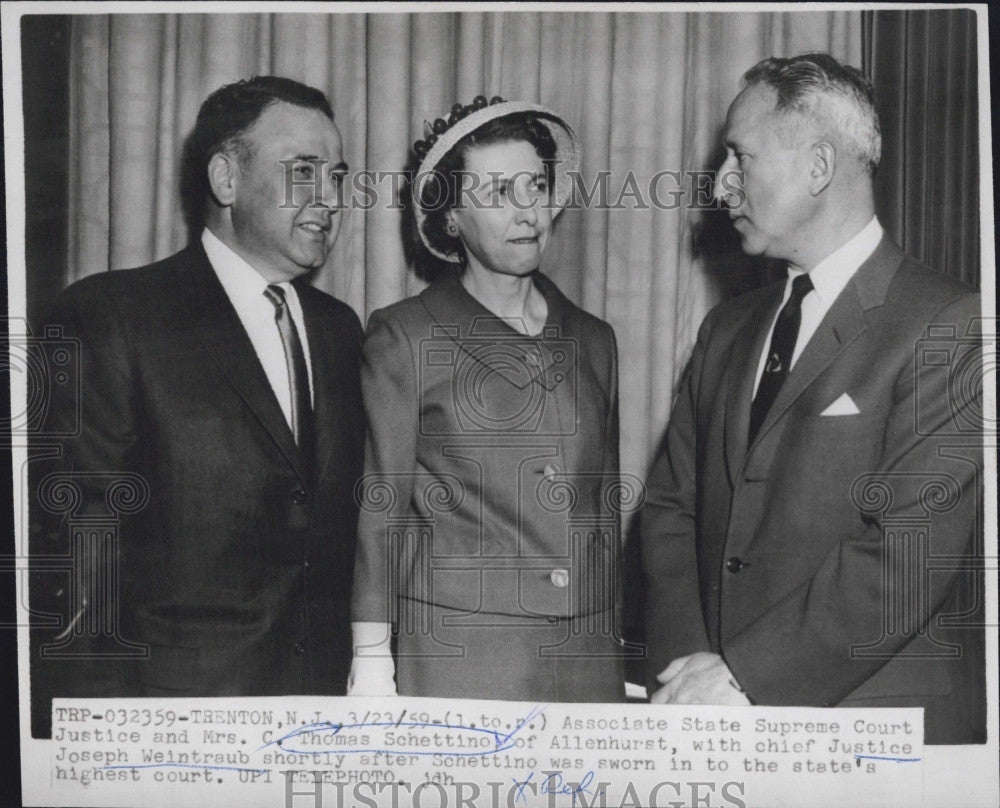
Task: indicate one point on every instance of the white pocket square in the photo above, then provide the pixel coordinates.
(842, 406)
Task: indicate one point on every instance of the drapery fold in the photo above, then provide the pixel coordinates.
(924, 66)
(647, 93)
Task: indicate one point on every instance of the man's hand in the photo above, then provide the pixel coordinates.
(701, 678)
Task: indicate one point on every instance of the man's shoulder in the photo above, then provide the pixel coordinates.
(139, 283)
(330, 307)
(916, 298)
(917, 286)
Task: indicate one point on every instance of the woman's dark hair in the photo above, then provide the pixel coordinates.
(223, 122)
(442, 187)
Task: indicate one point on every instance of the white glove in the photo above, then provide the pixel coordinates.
(373, 672)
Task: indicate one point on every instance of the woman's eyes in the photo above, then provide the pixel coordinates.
(536, 185)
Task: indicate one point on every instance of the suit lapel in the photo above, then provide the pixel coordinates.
(225, 342)
(747, 348)
(326, 373)
(843, 323)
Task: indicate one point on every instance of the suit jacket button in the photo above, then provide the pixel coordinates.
(559, 578)
(298, 496)
(734, 564)
(300, 648)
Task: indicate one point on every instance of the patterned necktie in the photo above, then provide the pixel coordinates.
(298, 374)
(779, 355)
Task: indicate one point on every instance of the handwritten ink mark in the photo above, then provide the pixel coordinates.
(535, 711)
(859, 758)
(501, 742)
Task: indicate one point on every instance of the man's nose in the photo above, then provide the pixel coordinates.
(330, 192)
(719, 191)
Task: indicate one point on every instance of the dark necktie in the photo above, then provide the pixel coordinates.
(779, 354)
(298, 374)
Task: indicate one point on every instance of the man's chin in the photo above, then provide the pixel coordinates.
(310, 263)
(750, 246)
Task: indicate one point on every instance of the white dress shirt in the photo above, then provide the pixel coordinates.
(245, 288)
(829, 277)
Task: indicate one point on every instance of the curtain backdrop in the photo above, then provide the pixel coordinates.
(647, 92)
(924, 67)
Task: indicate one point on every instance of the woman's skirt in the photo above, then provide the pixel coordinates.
(453, 654)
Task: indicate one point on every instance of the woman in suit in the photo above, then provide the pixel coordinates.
(489, 545)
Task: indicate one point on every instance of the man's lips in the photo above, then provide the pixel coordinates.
(315, 227)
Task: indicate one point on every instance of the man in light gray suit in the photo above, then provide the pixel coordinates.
(808, 426)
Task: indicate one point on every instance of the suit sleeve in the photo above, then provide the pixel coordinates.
(388, 384)
(800, 650)
(672, 614)
(95, 424)
(612, 477)
(611, 447)
(103, 413)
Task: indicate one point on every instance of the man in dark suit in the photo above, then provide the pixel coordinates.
(219, 434)
(816, 461)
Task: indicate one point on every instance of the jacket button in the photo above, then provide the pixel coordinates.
(559, 578)
(298, 496)
(734, 564)
(300, 648)
(551, 471)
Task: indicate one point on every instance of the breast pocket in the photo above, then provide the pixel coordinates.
(824, 454)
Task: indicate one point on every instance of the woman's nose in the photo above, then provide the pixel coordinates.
(527, 210)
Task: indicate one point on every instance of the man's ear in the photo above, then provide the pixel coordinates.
(223, 178)
(822, 167)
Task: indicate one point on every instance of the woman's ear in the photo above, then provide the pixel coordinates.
(450, 226)
(223, 178)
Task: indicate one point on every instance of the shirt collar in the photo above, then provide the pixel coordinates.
(240, 280)
(830, 276)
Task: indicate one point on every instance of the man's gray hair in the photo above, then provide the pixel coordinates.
(819, 87)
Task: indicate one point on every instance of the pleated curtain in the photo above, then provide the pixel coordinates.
(925, 68)
(647, 93)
